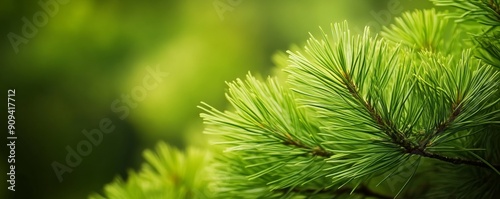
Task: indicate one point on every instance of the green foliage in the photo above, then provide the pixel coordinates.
(357, 112)
(435, 32)
(168, 173)
(489, 48)
(485, 14)
(357, 107)
(269, 140)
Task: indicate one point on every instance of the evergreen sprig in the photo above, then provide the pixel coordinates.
(168, 173)
(435, 33)
(270, 143)
(485, 12)
(489, 48)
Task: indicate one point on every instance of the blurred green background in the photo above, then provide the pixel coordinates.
(89, 53)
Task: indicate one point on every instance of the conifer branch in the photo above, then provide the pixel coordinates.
(401, 140)
(358, 107)
(385, 125)
(443, 126)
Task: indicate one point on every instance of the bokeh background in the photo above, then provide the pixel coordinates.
(92, 52)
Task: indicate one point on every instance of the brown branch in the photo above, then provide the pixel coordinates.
(494, 7)
(315, 151)
(290, 141)
(453, 160)
(384, 125)
(443, 126)
(362, 190)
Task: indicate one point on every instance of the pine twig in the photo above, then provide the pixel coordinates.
(315, 151)
(453, 160)
(401, 140)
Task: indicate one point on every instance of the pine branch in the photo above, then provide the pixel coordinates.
(385, 125)
(410, 148)
(270, 140)
(489, 48)
(167, 173)
(358, 107)
(401, 140)
(442, 36)
(443, 126)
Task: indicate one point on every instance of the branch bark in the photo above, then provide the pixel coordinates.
(316, 151)
(453, 160)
